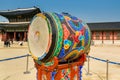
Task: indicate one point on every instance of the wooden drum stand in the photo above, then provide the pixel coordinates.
(67, 71)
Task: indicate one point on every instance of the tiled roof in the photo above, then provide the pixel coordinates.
(104, 26)
(19, 11)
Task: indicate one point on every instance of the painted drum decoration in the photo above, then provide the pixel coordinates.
(60, 35)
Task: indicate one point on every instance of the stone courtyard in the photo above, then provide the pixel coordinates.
(14, 69)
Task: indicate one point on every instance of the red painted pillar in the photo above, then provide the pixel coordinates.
(102, 37)
(4, 37)
(93, 35)
(21, 36)
(25, 36)
(14, 36)
(0, 36)
(113, 36)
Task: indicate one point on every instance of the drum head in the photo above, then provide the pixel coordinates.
(38, 37)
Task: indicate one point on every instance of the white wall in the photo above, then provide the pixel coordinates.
(117, 42)
(108, 42)
(97, 42)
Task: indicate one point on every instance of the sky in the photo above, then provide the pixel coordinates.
(87, 10)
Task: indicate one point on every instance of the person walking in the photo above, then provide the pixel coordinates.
(8, 42)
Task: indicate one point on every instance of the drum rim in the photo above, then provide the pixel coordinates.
(54, 38)
(59, 36)
(58, 40)
(34, 56)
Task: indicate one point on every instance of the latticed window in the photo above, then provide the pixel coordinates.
(118, 35)
(107, 35)
(97, 35)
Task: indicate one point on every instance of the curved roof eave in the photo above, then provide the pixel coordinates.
(14, 25)
(19, 11)
(104, 26)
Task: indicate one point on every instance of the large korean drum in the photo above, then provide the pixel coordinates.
(60, 35)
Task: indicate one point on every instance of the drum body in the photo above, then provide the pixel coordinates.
(61, 35)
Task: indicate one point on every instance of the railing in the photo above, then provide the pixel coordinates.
(27, 55)
(88, 70)
(102, 60)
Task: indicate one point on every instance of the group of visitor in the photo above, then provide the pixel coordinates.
(9, 42)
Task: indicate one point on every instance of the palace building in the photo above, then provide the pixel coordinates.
(17, 27)
(105, 32)
(19, 20)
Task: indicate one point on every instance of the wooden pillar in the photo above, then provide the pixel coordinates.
(0, 36)
(4, 37)
(25, 36)
(21, 36)
(102, 37)
(93, 35)
(113, 36)
(14, 36)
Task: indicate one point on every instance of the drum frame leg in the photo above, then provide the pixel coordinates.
(45, 72)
